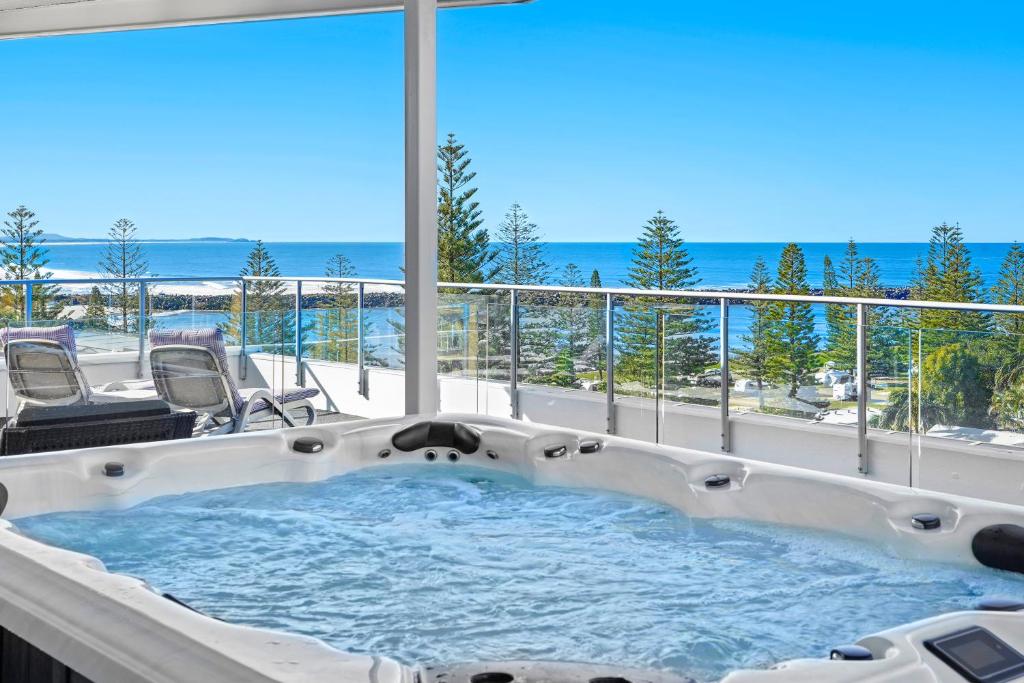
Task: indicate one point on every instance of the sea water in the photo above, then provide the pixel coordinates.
(442, 564)
(718, 264)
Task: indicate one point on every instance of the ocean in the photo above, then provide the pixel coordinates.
(719, 264)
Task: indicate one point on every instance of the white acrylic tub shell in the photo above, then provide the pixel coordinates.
(113, 628)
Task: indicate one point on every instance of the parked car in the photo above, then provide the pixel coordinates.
(709, 378)
(845, 389)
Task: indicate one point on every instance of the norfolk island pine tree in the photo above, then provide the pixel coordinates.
(596, 322)
(25, 258)
(464, 253)
(661, 261)
(751, 360)
(947, 274)
(520, 260)
(123, 258)
(571, 318)
(336, 324)
(96, 314)
(793, 344)
(270, 320)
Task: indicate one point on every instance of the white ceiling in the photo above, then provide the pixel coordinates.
(24, 18)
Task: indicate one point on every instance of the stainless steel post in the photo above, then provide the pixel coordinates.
(659, 329)
(513, 376)
(300, 375)
(360, 360)
(862, 391)
(28, 305)
(142, 330)
(723, 363)
(609, 360)
(243, 358)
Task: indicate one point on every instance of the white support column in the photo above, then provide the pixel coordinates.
(421, 393)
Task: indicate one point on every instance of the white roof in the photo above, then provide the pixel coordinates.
(74, 312)
(25, 18)
(992, 436)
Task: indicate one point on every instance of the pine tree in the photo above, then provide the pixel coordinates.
(539, 334)
(337, 323)
(597, 301)
(520, 257)
(572, 276)
(572, 323)
(947, 274)
(1007, 348)
(836, 318)
(492, 313)
(950, 370)
(869, 282)
(596, 326)
(564, 373)
(793, 343)
(96, 315)
(1009, 289)
(270, 320)
(123, 258)
(851, 267)
(661, 261)
(24, 258)
(857, 277)
(751, 362)
(886, 339)
(519, 260)
(463, 246)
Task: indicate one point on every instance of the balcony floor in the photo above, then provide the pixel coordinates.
(322, 417)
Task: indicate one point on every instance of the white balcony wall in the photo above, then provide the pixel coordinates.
(952, 466)
(957, 467)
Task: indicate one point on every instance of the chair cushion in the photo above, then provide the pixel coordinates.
(62, 334)
(287, 396)
(209, 338)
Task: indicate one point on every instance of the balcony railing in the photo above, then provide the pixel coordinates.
(639, 343)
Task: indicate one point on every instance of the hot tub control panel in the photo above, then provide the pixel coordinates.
(978, 655)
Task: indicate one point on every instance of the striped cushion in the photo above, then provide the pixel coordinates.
(207, 337)
(62, 334)
(285, 397)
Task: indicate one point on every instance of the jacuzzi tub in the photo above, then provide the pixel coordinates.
(110, 628)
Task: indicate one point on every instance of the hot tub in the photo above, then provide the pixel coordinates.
(647, 563)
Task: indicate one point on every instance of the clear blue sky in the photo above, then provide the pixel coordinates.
(743, 121)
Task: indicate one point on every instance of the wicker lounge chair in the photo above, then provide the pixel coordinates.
(190, 372)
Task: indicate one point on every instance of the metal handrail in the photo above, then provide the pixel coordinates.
(724, 300)
(612, 291)
(679, 293)
(721, 298)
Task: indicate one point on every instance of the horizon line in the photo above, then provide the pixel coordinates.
(243, 240)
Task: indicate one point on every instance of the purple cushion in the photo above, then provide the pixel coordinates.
(286, 396)
(213, 339)
(62, 334)
(207, 337)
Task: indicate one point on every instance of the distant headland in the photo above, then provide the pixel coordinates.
(54, 237)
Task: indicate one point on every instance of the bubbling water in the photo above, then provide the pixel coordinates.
(447, 564)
